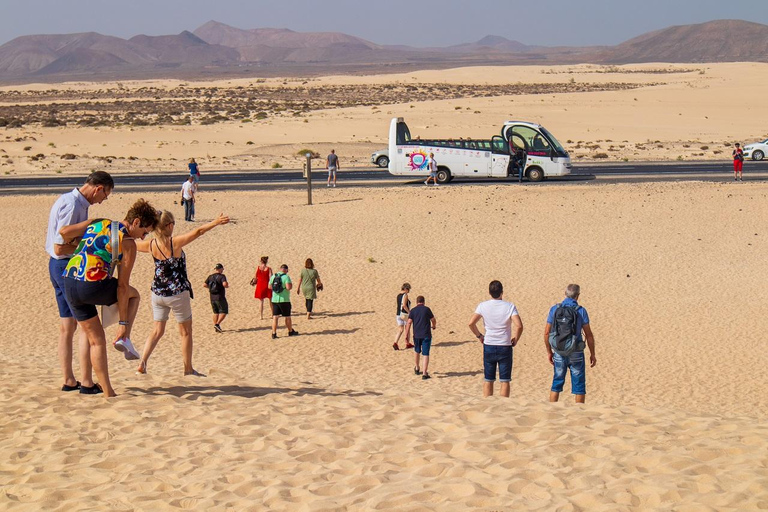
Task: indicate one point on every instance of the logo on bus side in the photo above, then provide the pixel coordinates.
(418, 160)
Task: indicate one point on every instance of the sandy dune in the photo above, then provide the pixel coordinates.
(335, 419)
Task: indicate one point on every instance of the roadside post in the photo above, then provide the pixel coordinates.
(308, 168)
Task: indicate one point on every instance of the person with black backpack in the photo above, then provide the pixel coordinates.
(281, 286)
(565, 344)
(217, 286)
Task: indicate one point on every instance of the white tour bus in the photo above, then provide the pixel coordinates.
(520, 144)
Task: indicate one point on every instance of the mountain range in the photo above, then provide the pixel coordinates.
(216, 49)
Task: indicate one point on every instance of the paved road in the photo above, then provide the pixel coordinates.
(292, 178)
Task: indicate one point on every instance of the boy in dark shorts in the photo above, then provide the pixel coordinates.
(217, 286)
(423, 321)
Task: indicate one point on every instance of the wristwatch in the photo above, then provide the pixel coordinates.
(480, 336)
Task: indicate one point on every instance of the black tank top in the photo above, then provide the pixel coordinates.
(399, 302)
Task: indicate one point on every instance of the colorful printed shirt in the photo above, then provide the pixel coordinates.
(92, 259)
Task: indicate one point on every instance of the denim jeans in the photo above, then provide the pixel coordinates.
(575, 363)
(189, 209)
(501, 356)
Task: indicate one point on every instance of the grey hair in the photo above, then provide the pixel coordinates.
(573, 291)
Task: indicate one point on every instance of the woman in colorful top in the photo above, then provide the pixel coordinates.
(309, 284)
(261, 281)
(88, 282)
(194, 171)
(171, 290)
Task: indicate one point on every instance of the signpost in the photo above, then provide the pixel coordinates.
(309, 178)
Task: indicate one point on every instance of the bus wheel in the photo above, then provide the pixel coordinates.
(535, 174)
(443, 175)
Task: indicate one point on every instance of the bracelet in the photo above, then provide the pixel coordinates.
(122, 322)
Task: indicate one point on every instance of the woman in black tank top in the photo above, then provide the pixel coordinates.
(403, 308)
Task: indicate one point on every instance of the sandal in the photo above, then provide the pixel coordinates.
(417, 371)
(93, 390)
(65, 387)
(394, 345)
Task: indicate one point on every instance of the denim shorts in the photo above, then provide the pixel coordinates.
(422, 345)
(574, 362)
(494, 355)
(55, 271)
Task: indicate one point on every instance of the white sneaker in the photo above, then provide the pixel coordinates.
(334, 185)
(125, 346)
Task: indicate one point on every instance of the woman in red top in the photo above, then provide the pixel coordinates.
(738, 162)
(261, 281)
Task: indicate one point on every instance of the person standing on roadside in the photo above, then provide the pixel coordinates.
(72, 208)
(499, 316)
(188, 191)
(432, 168)
(332, 164)
(423, 322)
(738, 163)
(194, 171)
(281, 286)
(565, 345)
(217, 286)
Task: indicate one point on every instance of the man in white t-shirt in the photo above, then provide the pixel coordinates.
(499, 317)
(188, 192)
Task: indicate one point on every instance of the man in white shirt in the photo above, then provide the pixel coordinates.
(499, 317)
(188, 198)
(72, 208)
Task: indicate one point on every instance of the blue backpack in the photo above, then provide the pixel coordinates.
(564, 335)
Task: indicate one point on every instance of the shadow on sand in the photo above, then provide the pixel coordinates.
(349, 313)
(331, 331)
(448, 375)
(196, 392)
(452, 343)
(251, 329)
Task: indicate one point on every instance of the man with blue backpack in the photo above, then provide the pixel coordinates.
(565, 344)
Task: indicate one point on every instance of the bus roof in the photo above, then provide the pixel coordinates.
(525, 123)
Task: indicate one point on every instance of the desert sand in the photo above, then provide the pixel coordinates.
(650, 112)
(671, 274)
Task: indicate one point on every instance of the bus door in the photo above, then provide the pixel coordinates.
(500, 157)
(518, 151)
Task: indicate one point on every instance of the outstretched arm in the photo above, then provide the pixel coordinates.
(196, 233)
(143, 245)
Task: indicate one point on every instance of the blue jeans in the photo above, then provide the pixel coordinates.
(575, 363)
(189, 209)
(500, 356)
(422, 346)
(55, 271)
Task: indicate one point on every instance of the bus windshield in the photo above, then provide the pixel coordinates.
(555, 143)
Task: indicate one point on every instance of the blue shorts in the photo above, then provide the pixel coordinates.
(55, 271)
(501, 356)
(422, 345)
(574, 362)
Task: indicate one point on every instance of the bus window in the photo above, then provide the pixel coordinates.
(403, 134)
(535, 143)
(499, 145)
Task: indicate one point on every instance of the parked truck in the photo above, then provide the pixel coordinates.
(522, 146)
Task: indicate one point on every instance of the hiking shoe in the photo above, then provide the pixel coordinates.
(217, 328)
(426, 376)
(417, 371)
(125, 346)
(93, 390)
(274, 335)
(292, 333)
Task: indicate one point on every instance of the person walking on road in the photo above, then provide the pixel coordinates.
(332, 164)
(188, 191)
(499, 317)
(565, 344)
(738, 163)
(72, 208)
(432, 168)
(194, 171)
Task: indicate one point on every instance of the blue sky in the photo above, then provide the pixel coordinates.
(414, 22)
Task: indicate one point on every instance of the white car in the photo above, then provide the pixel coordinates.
(756, 150)
(380, 157)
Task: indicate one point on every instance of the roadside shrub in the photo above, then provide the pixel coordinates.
(276, 166)
(303, 153)
(600, 155)
(68, 156)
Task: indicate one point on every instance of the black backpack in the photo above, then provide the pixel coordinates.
(277, 283)
(214, 286)
(564, 335)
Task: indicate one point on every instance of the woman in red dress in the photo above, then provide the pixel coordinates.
(261, 281)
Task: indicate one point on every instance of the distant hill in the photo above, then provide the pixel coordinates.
(216, 48)
(715, 41)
